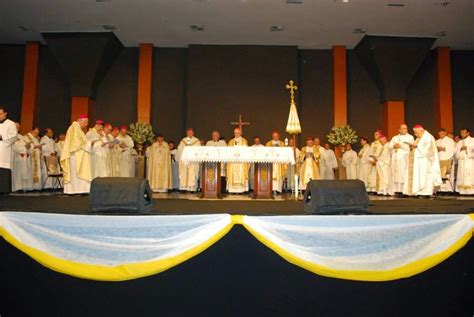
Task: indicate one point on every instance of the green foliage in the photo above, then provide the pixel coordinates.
(342, 135)
(141, 133)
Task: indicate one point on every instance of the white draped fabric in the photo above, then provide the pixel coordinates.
(238, 154)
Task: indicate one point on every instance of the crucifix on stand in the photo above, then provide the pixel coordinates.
(240, 124)
(293, 127)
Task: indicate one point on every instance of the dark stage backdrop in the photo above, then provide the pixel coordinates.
(224, 81)
(12, 59)
(208, 86)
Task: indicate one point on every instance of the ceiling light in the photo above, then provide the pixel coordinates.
(359, 31)
(294, 1)
(400, 5)
(109, 27)
(442, 3)
(277, 28)
(197, 28)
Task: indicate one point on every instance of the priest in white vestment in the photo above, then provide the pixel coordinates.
(95, 135)
(21, 176)
(400, 147)
(60, 144)
(322, 159)
(217, 141)
(174, 164)
(256, 143)
(375, 151)
(126, 146)
(8, 136)
(384, 168)
(331, 162)
(75, 158)
(446, 147)
(237, 173)
(423, 165)
(38, 166)
(349, 161)
(159, 166)
(279, 171)
(364, 163)
(114, 153)
(188, 173)
(465, 157)
(293, 170)
(309, 160)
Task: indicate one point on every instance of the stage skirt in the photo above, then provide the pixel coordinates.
(114, 248)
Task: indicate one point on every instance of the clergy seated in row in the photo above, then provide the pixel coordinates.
(159, 172)
(237, 173)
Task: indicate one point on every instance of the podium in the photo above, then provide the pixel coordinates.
(211, 158)
(211, 180)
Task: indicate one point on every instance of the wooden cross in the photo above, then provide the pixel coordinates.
(240, 123)
(292, 89)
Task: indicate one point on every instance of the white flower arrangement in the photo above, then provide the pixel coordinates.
(141, 133)
(342, 135)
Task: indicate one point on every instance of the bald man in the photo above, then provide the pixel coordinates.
(400, 148)
(423, 165)
(237, 173)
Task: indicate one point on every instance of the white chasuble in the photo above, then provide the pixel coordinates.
(309, 159)
(125, 150)
(364, 165)
(188, 173)
(21, 175)
(159, 167)
(465, 174)
(384, 186)
(237, 173)
(279, 171)
(399, 163)
(349, 161)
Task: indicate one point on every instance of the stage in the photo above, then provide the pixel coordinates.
(239, 273)
(177, 203)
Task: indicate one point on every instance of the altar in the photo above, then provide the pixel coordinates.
(211, 159)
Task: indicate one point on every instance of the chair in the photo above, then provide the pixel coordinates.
(56, 176)
(447, 177)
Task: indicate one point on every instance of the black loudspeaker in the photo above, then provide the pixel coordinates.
(120, 194)
(335, 196)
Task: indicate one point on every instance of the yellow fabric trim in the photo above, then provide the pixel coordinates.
(472, 218)
(111, 273)
(404, 271)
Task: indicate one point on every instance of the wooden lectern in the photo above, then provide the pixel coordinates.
(263, 181)
(211, 180)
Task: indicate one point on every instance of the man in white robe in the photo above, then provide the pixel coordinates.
(237, 173)
(375, 151)
(21, 175)
(114, 153)
(364, 163)
(60, 144)
(126, 146)
(349, 161)
(217, 141)
(98, 154)
(465, 157)
(384, 168)
(159, 165)
(446, 147)
(50, 153)
(423, 165)
(322, 159)
(38, 166)
(188, 173)
(309, 160)
(293, 169)
(331, 162)
(75, 158)
(256, 143)
(279, 171)
(174, 164)
(8, 136)
(400, 147)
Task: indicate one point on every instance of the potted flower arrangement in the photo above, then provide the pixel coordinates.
(141, 134)
(340, 136)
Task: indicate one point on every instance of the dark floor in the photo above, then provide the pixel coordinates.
(180, 205)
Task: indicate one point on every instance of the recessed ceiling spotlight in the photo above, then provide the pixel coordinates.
(24, 28)
(442, 3)
(359, 31)
(294, 1)
(197, 28)
(400, 5)
(277, 28)
(109, 27)
(103, 0)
